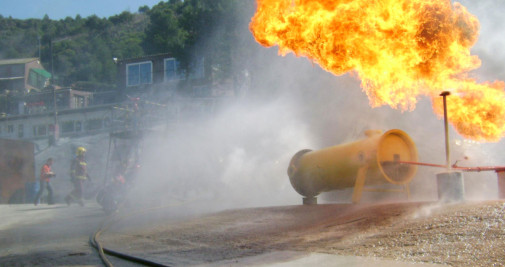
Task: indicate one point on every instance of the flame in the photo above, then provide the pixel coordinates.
(400, 49)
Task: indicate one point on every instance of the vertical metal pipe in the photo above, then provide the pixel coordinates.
(446, 128)
(501, 184)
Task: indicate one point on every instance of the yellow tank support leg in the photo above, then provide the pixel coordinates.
(360, 183)
(407, 189)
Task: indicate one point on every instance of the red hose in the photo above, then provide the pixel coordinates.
(454, 167)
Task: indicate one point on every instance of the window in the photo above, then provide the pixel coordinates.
(174, 72)
(18, 70)
(67, 127)
(78, 126)
(171, 69)
(20, 131)
(139, 73)
(42, 130)
(10, 128)
(94, 124)
(39, 130)
(4, 71)
(79, 101)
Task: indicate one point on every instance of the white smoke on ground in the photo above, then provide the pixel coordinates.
(238, 157)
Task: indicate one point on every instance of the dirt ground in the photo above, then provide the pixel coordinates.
(465, 234)
(45, 235)
(469, 234)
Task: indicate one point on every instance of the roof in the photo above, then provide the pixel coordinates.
(42, 72)
(126, 134)
(145, 57)
(17, 61)
(11, 78)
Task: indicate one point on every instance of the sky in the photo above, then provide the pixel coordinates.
(60, 9)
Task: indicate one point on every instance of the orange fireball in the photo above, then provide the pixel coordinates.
(400, 49)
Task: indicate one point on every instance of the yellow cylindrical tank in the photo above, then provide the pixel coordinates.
(370, 161)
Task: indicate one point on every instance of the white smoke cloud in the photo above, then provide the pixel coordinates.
(238, 156)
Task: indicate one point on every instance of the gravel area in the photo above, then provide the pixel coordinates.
(465, 234)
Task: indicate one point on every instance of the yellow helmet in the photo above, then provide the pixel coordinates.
(80, 151)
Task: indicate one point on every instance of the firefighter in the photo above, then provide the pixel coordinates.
(111, 196)
(79, 174)
(45, 179)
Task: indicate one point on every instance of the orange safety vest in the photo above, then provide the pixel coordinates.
(44, 173)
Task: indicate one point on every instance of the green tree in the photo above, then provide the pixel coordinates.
(124, 17)
(143, 9)
(163, 34)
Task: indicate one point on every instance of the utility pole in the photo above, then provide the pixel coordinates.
(38, 39)
(55, 128)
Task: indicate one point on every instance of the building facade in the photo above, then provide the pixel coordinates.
(23, 75)
(160, 74)
(152, 89)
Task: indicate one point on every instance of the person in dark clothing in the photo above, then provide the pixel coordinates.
(79, 174)
(45, 182)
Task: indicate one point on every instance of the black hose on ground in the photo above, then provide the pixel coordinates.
(102, 251)
(99, 248)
